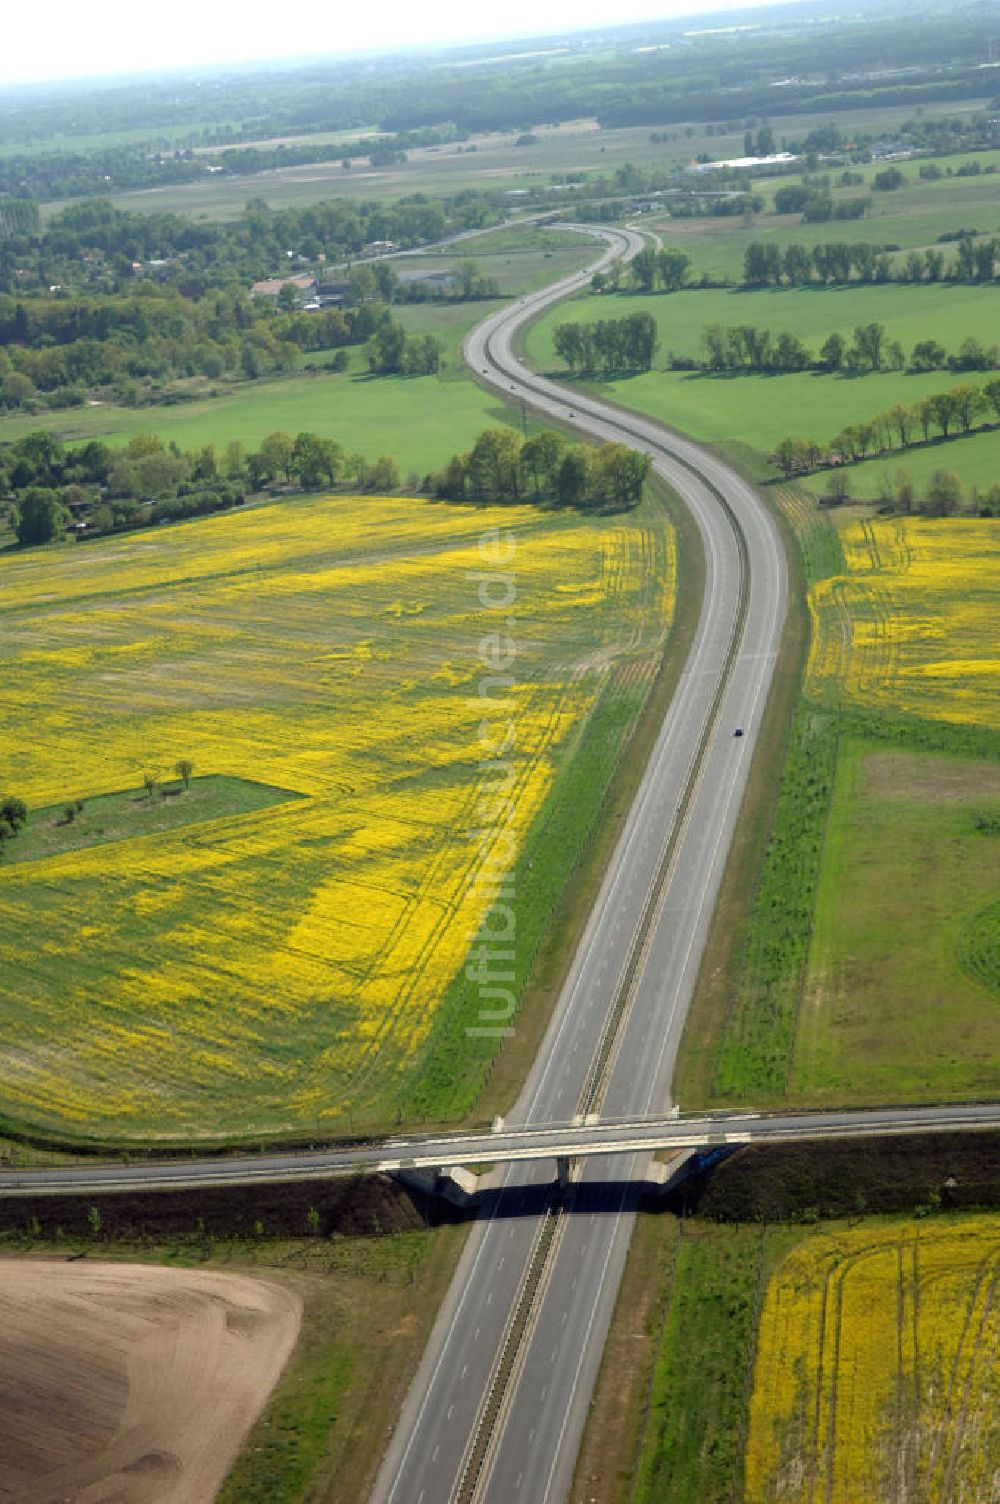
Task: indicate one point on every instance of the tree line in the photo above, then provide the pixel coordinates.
(504, 467)
(961, 408)
(147, 481)
(626, 344)
(743, 347)
(768, 265)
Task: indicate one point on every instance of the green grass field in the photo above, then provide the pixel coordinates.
(135, 812)
(943, 311)
(888, 1011)
(520, 260)
(692, 1443)
(419, 420)
(758, 411)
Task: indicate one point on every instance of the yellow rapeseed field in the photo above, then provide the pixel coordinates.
(281, 967)
(877, 1374)
(912, 626)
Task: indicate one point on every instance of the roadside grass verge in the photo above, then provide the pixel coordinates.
(692, 1444)
(759, 1036)
(564, 861)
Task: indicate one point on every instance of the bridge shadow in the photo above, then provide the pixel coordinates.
(590, 1198)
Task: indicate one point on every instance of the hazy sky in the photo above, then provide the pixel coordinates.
(75, 38)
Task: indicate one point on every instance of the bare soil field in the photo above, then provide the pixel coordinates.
(132, 1384)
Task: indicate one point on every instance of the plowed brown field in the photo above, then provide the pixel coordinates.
(131, 1383)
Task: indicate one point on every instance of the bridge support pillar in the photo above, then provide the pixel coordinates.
(453, 1184)
(562, 1169)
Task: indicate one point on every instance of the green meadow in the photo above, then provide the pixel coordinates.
(756, 411)
(419, 420)
(889, 1010)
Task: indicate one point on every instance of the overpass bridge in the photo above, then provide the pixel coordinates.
(558, 1142)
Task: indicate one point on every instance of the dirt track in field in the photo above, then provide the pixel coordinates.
(129, 1383)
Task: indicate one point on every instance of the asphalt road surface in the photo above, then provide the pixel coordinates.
(505, 1145)
(497, 1409)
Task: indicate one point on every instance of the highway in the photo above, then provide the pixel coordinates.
(497, 1408)
(508, 1144)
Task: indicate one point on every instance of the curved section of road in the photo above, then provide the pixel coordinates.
(498, 1405)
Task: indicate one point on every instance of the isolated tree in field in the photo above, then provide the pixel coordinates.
(276, 452)
(572, 478)
(991, 391)
(906, 494)
(14, 811)
(149, 783)
(184, 767)
(944, 411)
(540, 457)
(944, 493)
(673, 268)
(888, 181)
(968, 404)
(643, 268)
(40, 516)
